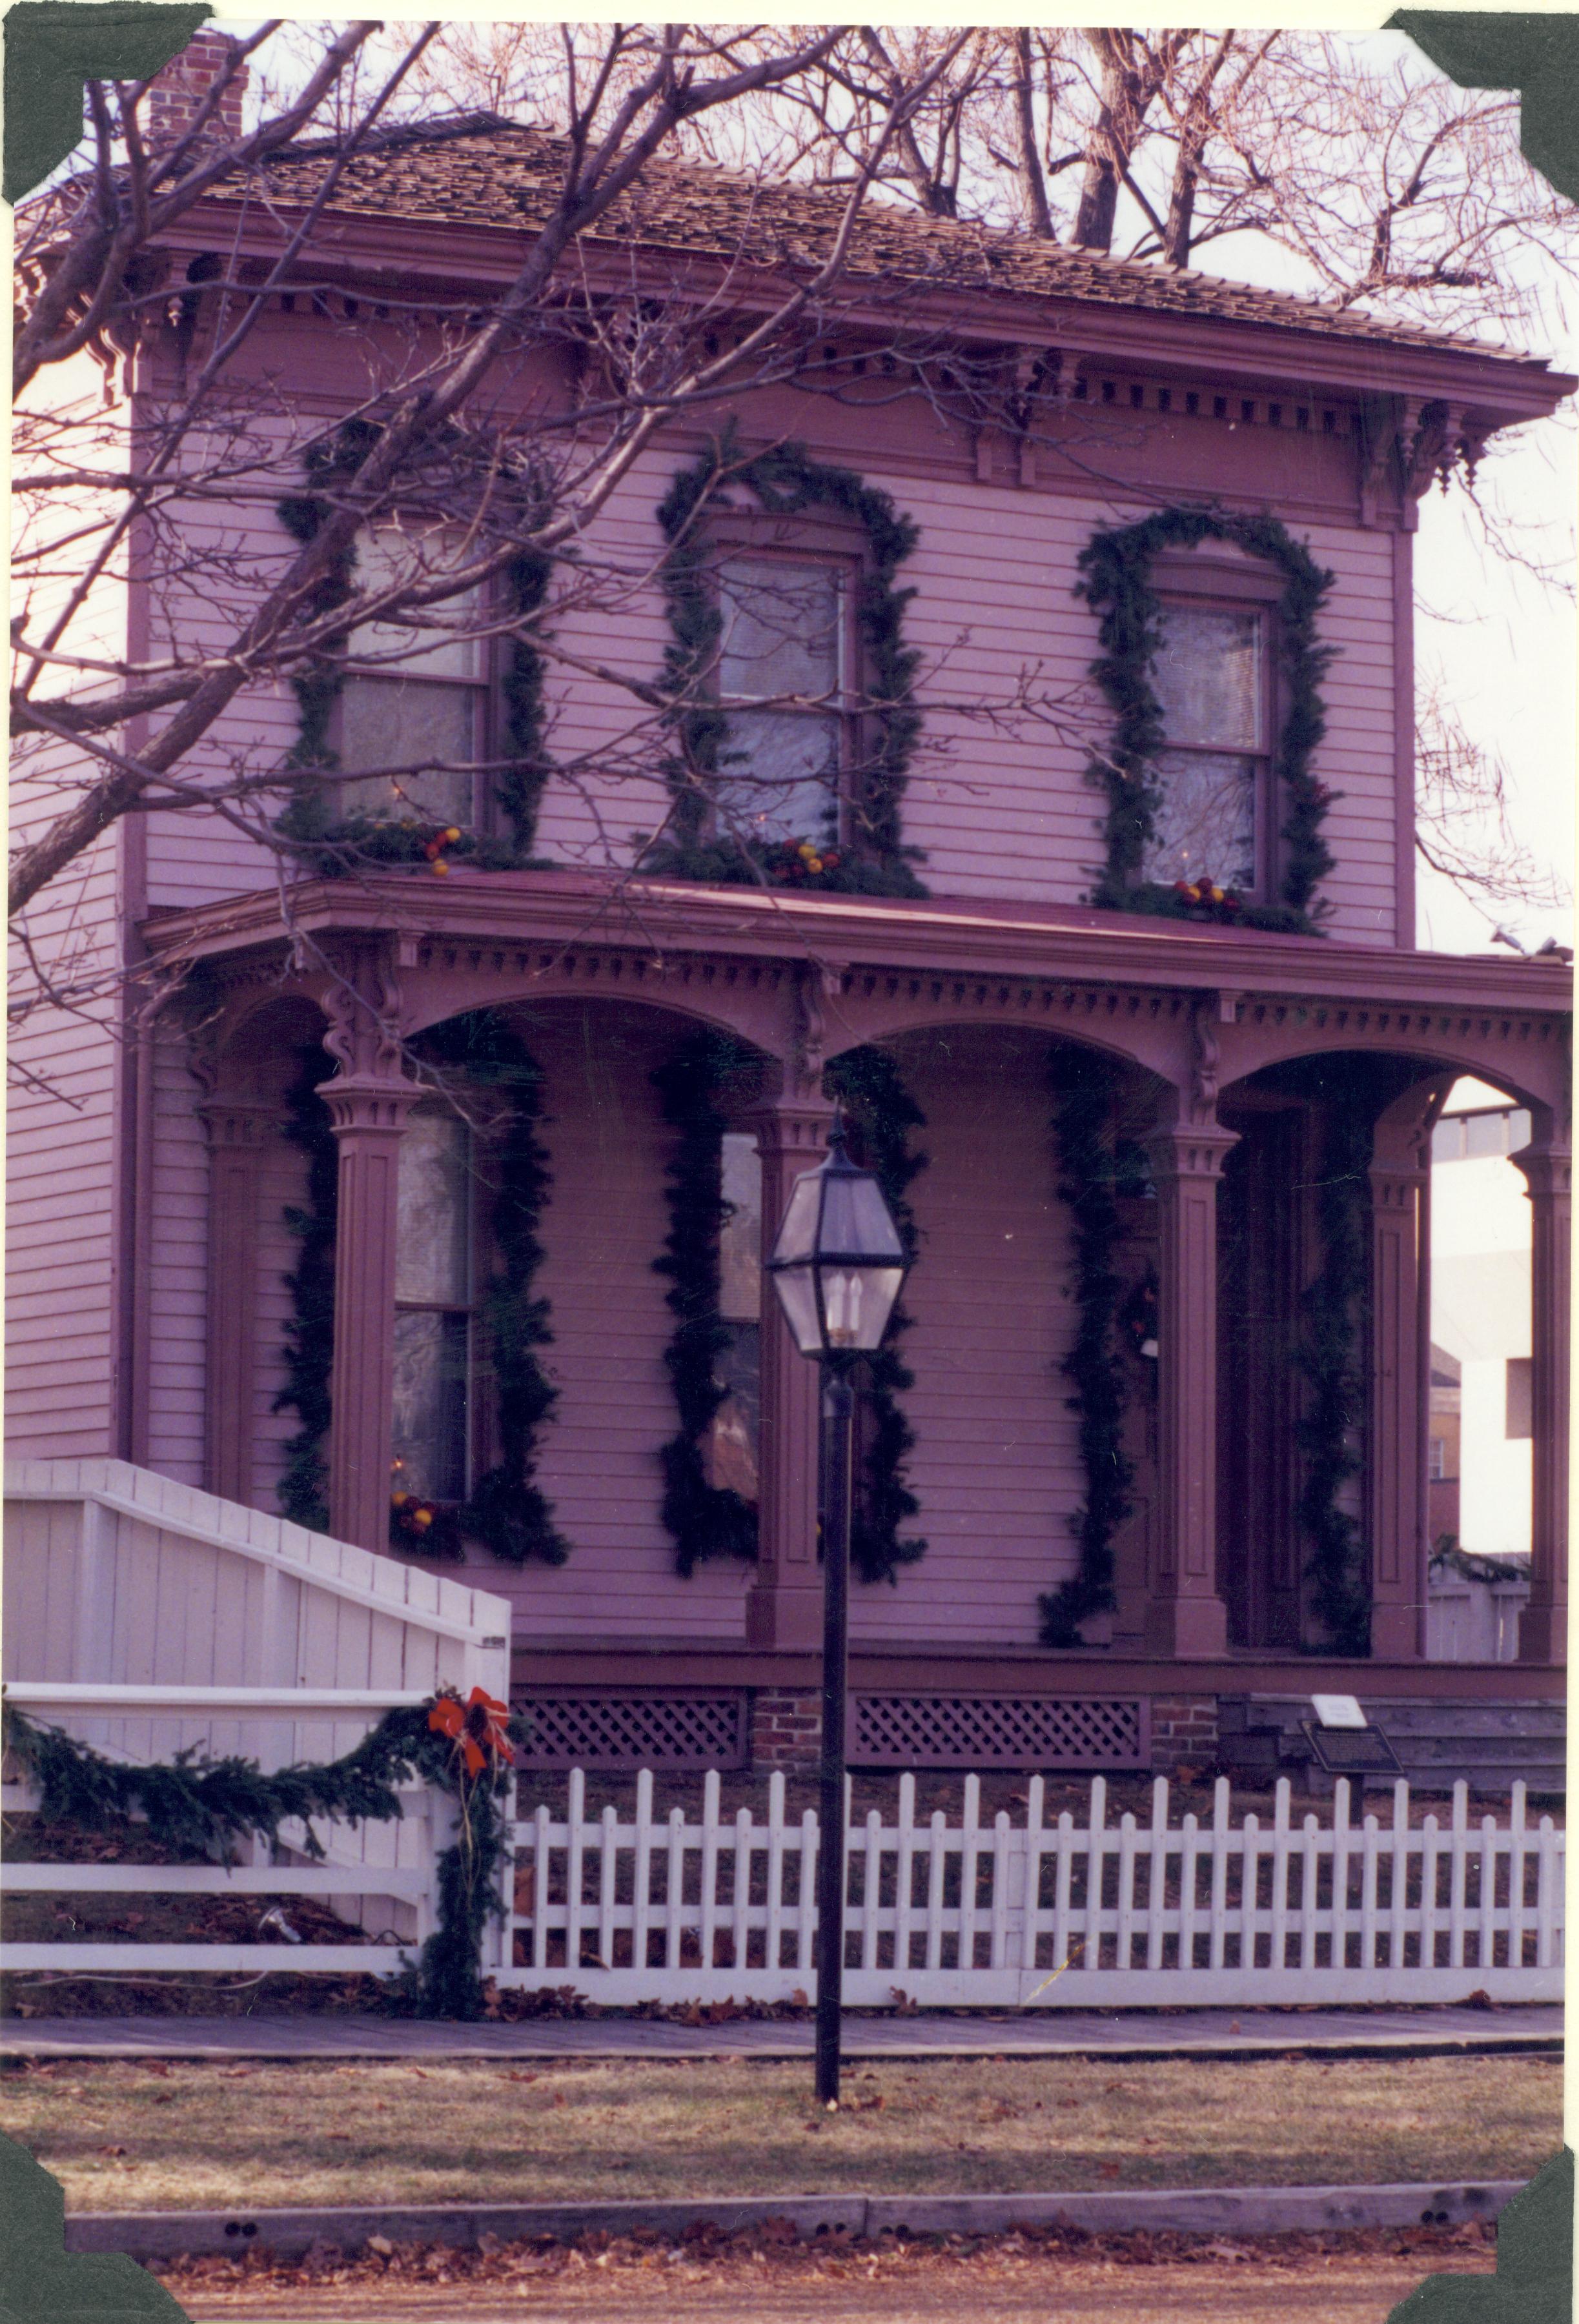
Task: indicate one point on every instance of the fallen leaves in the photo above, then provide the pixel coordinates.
(771, 2252)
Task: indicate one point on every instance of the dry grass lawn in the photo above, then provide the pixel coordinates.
(123, 2136)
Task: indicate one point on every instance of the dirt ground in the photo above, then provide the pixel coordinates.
(757, 2278)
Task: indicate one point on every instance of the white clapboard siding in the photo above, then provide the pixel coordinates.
(116, 1578)
(1006, 1914)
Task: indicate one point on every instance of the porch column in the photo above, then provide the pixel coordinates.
(368, 1113)
(783, 1607)
(236, 1135)
(1547, 1165)
(1395, 1488)
(1185, 1618)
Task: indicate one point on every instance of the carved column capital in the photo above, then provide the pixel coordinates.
(369, 1102)
(366, 1013)
(1190, 1149)
(1547, 1167)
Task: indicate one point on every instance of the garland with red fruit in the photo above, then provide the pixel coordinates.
(1117, 567)
(784, 482)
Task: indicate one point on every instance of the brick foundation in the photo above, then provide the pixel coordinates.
(1184, 1732)
(786, 1729)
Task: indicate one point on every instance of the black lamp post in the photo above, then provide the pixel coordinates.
(838, 1265)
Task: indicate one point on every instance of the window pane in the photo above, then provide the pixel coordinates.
(740, 1243)
(1207, 677)
(418, 636)
(779, 779)
(1206, 820)
(433, 1208)
(733, 1438)
(386, 723)
(430, 1403)
(780, 628)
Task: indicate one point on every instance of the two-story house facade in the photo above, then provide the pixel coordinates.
(430, 1207)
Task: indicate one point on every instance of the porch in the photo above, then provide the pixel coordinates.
(1264, 1542)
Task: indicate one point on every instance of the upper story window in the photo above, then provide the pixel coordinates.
(434, 1301)
(1210, 675)
(785, 645)
(414, 690)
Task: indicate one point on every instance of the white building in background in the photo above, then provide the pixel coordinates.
(1479, 1427)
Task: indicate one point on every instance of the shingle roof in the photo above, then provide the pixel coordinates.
(479, 169)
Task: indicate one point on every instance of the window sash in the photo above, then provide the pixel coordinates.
(398, 695)
(1213, 772)
(434, 1299)
(780, 772)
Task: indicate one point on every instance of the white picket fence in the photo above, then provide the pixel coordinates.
(1009, 1914)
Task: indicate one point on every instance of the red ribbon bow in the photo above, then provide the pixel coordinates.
(477, 1725)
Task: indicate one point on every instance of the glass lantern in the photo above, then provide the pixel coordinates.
(838, 1263)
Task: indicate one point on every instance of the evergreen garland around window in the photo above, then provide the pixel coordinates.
(1330, 1356)
(310, 1335)
(703, 1520)
(881, 1114)
(334, 845)
(201, 1808)
(506, 1510)
(786, 482)
(1089, 1167)
(1117, 568)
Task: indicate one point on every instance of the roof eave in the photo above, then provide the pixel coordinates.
(1499, 389)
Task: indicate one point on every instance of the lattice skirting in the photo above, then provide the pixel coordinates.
(622, 1731)
(997, 1730)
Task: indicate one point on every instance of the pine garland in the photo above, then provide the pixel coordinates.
(1330, 1357)
(1088, 1182)
(335, 846)
(506, 1510)
(881, 1114)
(786, 482)
(1117, 565)
(703, 1520)
(310, 1335)
(203, 1807)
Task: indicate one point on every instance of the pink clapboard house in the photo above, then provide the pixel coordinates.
(363, 1224)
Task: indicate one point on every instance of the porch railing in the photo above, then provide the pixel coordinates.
(1087, 1912)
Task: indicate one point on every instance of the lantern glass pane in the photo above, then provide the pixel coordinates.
(798, 1299)
(857, 1221)
(798, 1234)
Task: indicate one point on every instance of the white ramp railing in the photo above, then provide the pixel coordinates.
(146, 1618)
(1085, 1912)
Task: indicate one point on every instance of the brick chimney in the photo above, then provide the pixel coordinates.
(180, 88)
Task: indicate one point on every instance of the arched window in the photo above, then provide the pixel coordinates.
(1211, 675)
(413, 690)
(785, 645)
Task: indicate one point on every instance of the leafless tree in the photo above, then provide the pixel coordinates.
(96, 486)
(1463, 821)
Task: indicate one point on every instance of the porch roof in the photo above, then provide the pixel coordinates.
(956, 937)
